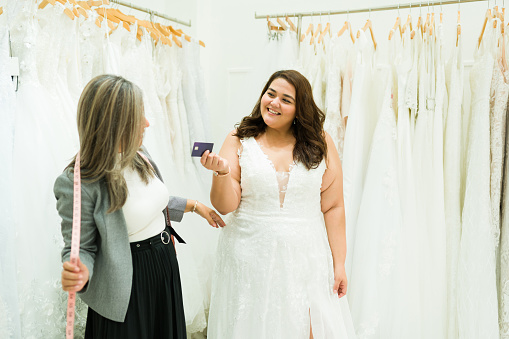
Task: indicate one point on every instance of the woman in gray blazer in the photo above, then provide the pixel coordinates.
(127, 271)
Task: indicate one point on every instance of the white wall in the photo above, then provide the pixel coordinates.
(235, 41)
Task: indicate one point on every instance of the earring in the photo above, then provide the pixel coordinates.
(294, 121)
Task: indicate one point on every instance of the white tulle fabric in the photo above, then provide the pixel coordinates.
(274, 273)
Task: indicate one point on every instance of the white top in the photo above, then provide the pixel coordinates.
(144, 205)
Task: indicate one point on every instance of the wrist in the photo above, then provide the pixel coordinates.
(222, 174)
(193, 209)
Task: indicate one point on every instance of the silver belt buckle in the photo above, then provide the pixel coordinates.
(162, 237)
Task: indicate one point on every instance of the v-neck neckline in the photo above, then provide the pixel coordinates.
(291, 167)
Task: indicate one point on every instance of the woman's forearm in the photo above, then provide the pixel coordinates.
(222, 194)
(335, 225)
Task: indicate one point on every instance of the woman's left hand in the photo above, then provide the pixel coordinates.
(208, 213)
(340, 282)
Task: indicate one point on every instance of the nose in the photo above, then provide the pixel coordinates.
(146, 123)
(275, 102)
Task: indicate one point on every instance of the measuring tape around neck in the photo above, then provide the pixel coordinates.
(75, 244)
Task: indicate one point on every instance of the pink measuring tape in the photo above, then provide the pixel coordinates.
(75, 244)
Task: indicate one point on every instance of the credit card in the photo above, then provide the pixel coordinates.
(200, 147)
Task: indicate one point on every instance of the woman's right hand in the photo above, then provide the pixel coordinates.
(214, 162)
(74, 277)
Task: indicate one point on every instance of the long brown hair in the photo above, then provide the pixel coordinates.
(110, 118)
(310, 146)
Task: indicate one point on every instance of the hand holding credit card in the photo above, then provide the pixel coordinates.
(200, 147)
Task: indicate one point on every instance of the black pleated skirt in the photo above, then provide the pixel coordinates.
(155, 309)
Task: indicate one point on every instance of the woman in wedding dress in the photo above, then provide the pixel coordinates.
(280, 269)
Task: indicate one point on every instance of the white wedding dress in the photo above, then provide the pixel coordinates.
(274, 272)
(477, 291)
(452, 183)
(9, 322)
(377, 284)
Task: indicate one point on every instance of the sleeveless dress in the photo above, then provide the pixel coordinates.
(274, 267)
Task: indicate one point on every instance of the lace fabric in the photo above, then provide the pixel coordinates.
(477, 293)
(274, 264)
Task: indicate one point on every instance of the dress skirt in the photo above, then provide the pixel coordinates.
(155, 308)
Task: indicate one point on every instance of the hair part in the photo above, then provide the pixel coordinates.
(110, 118)
(310, 146)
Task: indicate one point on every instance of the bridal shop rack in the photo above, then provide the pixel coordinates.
(420, 4)
(151, 12)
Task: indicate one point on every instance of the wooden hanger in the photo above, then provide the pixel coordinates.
(1, 10)
(84, 5)
(458, 29)
(407, 24)
(324, 32)
(418, 25)
(487, 17)
(431, 24)
(496, 14)
(273, 27)
(367, 25)
(310, 29)
(282, 24)
(397, 25)
(426, 24)
(318, 30)
(44, 3)
(346, 26)
(292, 26)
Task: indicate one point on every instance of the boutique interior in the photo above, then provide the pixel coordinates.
(415, 97)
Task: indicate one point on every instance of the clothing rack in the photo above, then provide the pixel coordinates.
(300, 15)
(151, 12)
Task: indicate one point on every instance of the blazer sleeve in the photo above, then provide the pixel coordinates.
(63, 190)
(176, 208)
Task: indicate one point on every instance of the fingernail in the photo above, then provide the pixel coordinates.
(80, 282)
(215, 225)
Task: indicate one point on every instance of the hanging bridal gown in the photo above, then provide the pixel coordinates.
(9, 321)
(405, 62)
(42, 303)
(334, 120)
(452, 182)
(498, 105)
(477, 294)
(504, 248)
(423, 175)
(274, 267)
(377, 285)
(503, 258)
(359, 133)
(437, 229)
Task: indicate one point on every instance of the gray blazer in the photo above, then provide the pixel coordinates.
(104, 246)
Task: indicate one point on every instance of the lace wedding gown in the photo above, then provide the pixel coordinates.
(477, 292)
(274, 266)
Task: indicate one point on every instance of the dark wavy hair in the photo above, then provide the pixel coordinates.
(310, 147)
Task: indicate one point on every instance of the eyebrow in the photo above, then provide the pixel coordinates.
(285, 95)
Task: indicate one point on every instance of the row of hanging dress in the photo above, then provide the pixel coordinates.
(58, 57)
(425, 180)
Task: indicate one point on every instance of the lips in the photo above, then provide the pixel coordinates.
(273, 112)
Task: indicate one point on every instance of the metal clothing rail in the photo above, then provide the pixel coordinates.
(365, 10)
(420, 4)
(151, 12)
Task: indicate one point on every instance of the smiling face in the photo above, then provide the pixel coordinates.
(277, 105)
